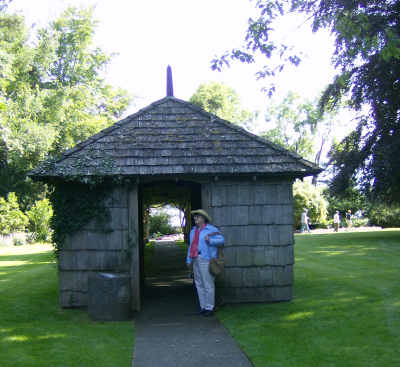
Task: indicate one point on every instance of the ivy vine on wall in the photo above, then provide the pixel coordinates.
(78, 196)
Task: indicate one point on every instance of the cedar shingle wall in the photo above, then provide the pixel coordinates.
(256, 218)
(87, 250)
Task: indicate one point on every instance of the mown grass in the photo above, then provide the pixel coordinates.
(35, 331)
(182, 245)
(148, 253)
(346, 307)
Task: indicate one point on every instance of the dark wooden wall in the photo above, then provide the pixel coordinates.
(256, 218)
(87, 250)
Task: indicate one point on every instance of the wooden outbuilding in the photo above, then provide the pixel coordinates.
(243, 181)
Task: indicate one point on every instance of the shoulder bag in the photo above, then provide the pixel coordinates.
(216, 265)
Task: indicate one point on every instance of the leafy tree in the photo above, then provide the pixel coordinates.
(291, 128)
(366, 56)
(223, 101)
(11, 217)
(52, 94)
(300, 126)
(307, 196)
(39, 216)
(160, 223)
(386, 216)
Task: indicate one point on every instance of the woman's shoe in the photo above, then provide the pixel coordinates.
(200, 312)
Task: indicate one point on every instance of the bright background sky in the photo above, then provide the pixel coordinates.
(188, 34)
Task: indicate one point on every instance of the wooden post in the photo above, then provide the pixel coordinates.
(134, 234)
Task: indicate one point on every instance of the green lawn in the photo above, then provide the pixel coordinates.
(346, 307)
(35, 331)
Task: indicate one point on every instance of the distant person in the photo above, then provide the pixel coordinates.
(348, 219)
(336, 221)
(304, 222)
(204, 240)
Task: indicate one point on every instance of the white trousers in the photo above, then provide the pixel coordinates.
(204, 283)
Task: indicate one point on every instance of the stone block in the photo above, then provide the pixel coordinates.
(259, 195)
(284, 293)
(278, 274)
(219, 195)
(245, 195)
(250, 235)
(271, 194)
(278, 215)
(255, 214)
(289, 278)
(286, 235)
(267, 294)
(274, 235)
(285, 194)
(258, 255)
(92, 240)
(268, 214)
(240, 216)
(233, 277)
(287, 214)
(230, 254)
(234, 236)
(250, 277)
(226, 216)
(216, 215)
(114, 240)
(289, 254)
(227, 295)
(243, 255)
(68, 260)
(232, 195)
(119, 218)
(265, 276)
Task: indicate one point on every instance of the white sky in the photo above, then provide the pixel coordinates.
(188, 34)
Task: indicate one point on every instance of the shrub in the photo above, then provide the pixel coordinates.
(39, 220)
(19, 239)
(11, 217)
(159, 223)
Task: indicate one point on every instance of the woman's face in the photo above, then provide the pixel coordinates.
(199, 220)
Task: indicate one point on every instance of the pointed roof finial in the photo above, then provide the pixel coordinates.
(170, 86)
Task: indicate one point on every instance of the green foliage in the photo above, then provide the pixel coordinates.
(366, 56)
(75, 204)
(19, 239)
(12, 219)
(223, 101)
(385, 216)
(159, 223)
(351, 199)
(53, 94)
(39, 216)
(307, 196)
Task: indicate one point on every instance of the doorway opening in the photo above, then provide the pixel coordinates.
(183, 195)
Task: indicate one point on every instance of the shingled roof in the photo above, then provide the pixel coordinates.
(174, 137)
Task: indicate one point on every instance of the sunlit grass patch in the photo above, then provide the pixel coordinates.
(346, 307)
(36, 331)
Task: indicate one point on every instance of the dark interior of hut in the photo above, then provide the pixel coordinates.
(183, 195)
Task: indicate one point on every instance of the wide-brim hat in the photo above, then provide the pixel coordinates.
(201, 212)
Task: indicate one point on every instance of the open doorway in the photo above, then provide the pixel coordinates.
(184, 195)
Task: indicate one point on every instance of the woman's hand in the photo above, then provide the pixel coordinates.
(207, 238)
(189, 265)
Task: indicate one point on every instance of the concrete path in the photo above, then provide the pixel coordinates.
(168, 334)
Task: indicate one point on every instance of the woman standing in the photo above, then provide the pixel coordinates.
(348, 219)
(204, 240)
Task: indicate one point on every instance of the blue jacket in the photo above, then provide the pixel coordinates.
(206, 248)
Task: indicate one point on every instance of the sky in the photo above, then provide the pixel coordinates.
(186, 34)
